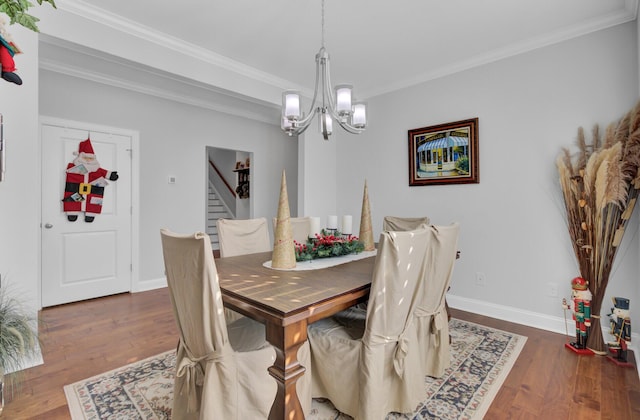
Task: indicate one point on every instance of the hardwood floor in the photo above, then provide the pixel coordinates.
(83, 339)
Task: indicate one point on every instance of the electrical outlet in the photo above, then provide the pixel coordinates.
(480, 279)
(552, 289)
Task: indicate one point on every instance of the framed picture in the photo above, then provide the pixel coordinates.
(444, 154)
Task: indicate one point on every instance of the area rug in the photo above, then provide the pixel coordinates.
(481, 358)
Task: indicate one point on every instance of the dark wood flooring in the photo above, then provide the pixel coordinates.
(83, 339)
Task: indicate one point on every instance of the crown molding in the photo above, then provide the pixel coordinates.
(621, 16)
(134, 29)
(113, 81)
(137, 30)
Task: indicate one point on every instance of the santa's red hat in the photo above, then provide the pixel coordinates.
(86, 147)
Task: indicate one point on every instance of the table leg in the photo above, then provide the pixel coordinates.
(287, 369)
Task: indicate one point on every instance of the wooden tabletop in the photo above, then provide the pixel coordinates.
(285, 293)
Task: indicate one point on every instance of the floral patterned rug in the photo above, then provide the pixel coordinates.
(481, 358)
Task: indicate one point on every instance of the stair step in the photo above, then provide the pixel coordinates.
(215, 210)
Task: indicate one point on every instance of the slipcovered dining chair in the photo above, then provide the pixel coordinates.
(300, 226)
(240, 237)
(370, 365)
(221, 370)
(410, 223)
(432, 316)
(403, 223)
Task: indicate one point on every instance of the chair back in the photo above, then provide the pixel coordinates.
(431, 312)
(397, 282)
(300, 226)
(194, 290)
(240, 237)
(390, 356)
(403, 223)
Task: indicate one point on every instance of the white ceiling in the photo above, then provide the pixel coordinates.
(377, 46)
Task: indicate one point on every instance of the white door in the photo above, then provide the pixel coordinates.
(83, 260)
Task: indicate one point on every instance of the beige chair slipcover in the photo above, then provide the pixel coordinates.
(431, 313)
(240, 237)
(221, 370)
(300, 227)
(403, 223)
(370, 368)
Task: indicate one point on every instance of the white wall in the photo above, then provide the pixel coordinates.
(513, 224)
(173, 141)
(19, 201)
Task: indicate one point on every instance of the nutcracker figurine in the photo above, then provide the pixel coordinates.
(580, 304)
(621, 329)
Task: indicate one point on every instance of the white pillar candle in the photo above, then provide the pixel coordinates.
(347, 222)
(332, 222)
(315, 227)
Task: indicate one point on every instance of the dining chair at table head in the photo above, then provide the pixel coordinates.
(300, 226)
(243, 236)
(394, 223)
(221, 370)
(372, 367)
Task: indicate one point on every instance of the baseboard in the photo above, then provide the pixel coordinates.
(143, 286)
(529, 318)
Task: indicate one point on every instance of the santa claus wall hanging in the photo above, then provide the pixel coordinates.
(85, 184)
(7, 50)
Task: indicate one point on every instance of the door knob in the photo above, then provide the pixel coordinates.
(48, 225)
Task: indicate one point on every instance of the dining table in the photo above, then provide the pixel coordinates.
(286, 301)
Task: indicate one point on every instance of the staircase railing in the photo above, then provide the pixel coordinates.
(226, 194)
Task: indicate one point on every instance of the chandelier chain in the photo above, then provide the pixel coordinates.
(322, 23)
(350, 116)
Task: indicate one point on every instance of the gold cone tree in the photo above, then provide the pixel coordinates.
(600, 185)
(366, 228)
(284, 254)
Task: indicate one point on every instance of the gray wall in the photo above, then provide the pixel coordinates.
(513, 225)
(173, 141)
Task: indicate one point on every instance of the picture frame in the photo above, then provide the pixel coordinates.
(444, 154)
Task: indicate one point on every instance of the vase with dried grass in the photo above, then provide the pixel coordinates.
(600, 185)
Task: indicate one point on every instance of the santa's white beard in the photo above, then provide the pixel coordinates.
(92, 165)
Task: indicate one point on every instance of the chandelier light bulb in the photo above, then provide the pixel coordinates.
(359, 117)
(343, 99)
(291, 104)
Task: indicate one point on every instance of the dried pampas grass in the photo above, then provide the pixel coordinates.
(600, 186)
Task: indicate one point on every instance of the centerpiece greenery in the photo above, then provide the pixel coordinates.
(600, 186)
(326, 244)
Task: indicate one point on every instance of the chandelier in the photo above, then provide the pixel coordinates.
(350, 116)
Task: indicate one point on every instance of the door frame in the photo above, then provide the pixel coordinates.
(135, 191)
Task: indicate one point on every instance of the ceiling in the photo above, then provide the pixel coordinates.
(377, 46)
